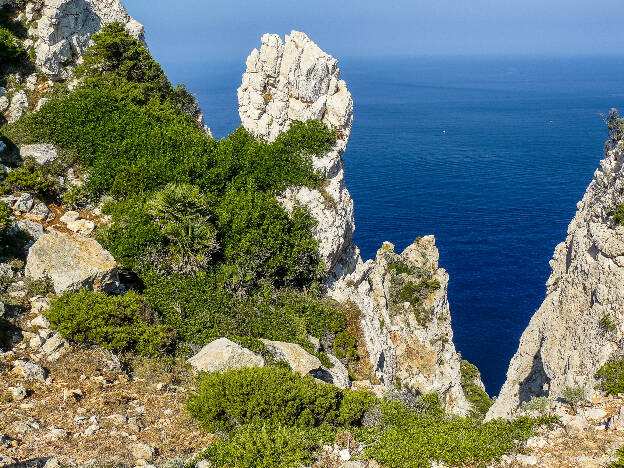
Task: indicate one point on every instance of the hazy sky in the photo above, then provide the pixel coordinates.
(200, 29)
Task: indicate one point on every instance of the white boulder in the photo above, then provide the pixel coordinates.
(222, 355)
(72, 262)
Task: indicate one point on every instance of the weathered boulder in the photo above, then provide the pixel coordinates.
(42, 153)
(298, 359)
(72, 262)
(40, 212)
(29, 369)
(4, 105)
(24, 203)
(18, 107)
(295, 81)
(34, 230)
(338, 374)
(222, 355)
(580, 324)
(65, 27)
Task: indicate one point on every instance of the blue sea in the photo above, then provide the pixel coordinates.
(490, 155)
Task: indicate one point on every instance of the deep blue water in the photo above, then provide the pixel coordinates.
(498, 189)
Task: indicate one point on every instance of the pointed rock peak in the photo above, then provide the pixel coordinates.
(293, 80)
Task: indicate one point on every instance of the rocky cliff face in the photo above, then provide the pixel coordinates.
(63, 29)
(296, 81)
(406, 321)
(567, 341)
(409, 343)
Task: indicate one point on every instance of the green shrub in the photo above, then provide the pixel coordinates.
(407, 439)
(401, 268)
(8, 46)
(118, 323)
(116, 58)
(611, 377)
(573, 395)
(536, 404)
(607, 324)
(619, 462)
(271, 395)
(5, 219)
(267, 446)
(415, 294)
(618, 214)
(26, 179)
(206, 306)
(477, 397)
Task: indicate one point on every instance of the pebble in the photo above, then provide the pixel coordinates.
(39, 322)
(117, 419)
(52, 463)
(74, 393)
(143, 451)
(18, 393)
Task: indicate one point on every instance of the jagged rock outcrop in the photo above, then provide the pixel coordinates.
(406, 321)
(292, 80)
(296, 81)
(72, 262)
(580, 324)
(63, 29)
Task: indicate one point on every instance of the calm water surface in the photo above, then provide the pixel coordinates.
(491, 156)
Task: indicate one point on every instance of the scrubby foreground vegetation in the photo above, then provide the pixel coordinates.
(207, 251)
(274, 418)
(196, 220)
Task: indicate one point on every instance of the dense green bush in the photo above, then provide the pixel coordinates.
(271, 395)
(267, 446)
(27, 179)
(618, 214)
(8, 46)
(118, 323)
(207, 305)
(116, 58)
(619, 461)
(612, 377)
(407, 439)
(197, 219)
(5, 219)
(477, 397)
(287, 417)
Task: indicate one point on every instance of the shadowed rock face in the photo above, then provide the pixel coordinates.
(565, 343)
(292, 80)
